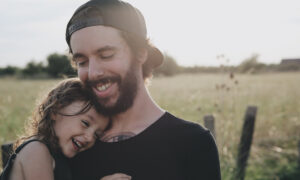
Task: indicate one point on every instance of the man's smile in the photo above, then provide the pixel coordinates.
(102, 87)
(105, 87)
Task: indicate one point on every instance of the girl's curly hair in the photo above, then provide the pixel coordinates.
(42, 123)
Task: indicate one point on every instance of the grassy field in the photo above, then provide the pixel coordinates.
(277, 129)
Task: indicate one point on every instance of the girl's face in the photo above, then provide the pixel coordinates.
(79, 132)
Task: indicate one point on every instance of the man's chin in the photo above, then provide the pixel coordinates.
(108, 103)
(106, 108)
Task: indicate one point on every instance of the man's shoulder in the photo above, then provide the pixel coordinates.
(182, 126)
(186, 133)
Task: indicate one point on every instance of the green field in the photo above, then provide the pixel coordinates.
(277, 129)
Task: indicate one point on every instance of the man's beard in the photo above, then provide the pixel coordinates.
(127, 92)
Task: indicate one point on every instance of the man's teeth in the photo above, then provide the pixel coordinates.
(78, 144)
(103, 87)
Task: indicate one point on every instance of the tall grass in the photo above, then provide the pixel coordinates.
(17, 101)
(191, 97)
(277, 126)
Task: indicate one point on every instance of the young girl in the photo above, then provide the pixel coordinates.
(64, 124)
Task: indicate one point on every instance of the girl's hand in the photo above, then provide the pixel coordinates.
(117, 176)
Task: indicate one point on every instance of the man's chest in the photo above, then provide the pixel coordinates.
(142, 163)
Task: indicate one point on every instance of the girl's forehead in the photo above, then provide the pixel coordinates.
(74, 107)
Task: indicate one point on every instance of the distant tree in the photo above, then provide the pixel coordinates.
(8, 71)
(33, 68)
(251, 65)
(59, 66)
(169, 67)
(202, 69)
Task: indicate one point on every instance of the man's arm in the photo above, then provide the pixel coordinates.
(203, 159)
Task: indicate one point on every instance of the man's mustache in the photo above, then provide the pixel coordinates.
(103, 80)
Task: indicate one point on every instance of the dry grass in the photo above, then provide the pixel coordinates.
(278, 119)
(193, 96)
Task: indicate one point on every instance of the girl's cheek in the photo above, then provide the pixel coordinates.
(91, 144)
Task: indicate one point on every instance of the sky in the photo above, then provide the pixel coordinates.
(194, 32)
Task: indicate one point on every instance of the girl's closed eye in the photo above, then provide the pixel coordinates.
(85, 123)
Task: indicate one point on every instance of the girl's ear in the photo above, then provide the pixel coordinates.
(142, 56)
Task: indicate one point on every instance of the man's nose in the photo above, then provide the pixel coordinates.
(95, 69)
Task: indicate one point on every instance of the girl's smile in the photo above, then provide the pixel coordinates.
(78, 132)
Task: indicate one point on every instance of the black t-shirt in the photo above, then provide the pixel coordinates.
(169, 149)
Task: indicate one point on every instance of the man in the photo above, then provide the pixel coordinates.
(108, 42)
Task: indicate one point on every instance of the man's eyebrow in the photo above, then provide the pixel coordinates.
(106, 48)
(76, 56)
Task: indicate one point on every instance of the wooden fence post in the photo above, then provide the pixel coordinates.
(6, 149)
(245, 142)
(299, 154)
(209, 123)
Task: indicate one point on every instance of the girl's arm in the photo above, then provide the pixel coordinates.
(36, 162)
(117, 176)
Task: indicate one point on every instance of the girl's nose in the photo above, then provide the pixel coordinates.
(89, 136)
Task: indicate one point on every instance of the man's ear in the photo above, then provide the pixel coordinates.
(142, 56)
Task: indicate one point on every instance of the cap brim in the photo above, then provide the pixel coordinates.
(155, 56)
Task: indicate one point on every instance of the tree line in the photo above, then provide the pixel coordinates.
(250, 65)
(59, 65)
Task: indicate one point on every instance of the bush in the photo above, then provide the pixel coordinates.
(168, 68)
(32, 69)
(59, 66)
(8, 71)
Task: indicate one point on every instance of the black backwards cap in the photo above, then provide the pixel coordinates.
(117, 14)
